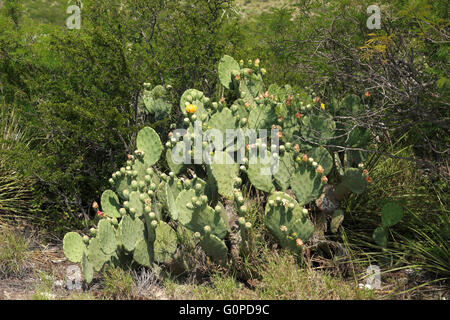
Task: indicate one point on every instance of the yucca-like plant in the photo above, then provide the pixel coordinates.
(15, 192)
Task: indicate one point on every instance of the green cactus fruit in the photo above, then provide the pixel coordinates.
(322, 157)
(110, 204)
(226, 69)
(306, 184)
(149, 142)
(73, 247)
(391, 214)
(87, 269)
(282, 221)
(354, 180)
(165, 244)
(380, 235)
(107, 237)
(143, 253)
(336, 220)
(215, 248)
(96, 255)
(224, 172)
(260, 172)
(132, 231)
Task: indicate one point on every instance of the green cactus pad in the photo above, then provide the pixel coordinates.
(156, 104)
(322, 157)
(215, 248)
(208, 217)
(306, 184)
(254, 83)
(175, 167)
(242, 110)
(171, 202)
(221, 120)
(73, 247)
(143, 253)
(165, 244)
(132, 231)
(260, 173)
(351, 104)
(110, 204)
(391, 214)
(318, 128)
(193, 93)
(246, 95)
(286, 169)
(262, 117)
(184, 214)
(336, 220)
(338, 164)
(354, 180)
(380, 235)
(136, 203)
(278, 216)
(227, 66)
(107, 237)
(95, 254)
(224, 174)
(149, 142)
(87, 269)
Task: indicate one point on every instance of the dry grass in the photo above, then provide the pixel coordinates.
(281, 279)
(14, 253)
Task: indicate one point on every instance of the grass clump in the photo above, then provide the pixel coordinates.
(14, 253)
(118, 284)
(282, 278)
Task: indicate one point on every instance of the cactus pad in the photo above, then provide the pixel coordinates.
(110, 204)
(149, 142)
(73, 247)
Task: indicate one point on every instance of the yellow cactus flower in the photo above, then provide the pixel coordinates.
(190, 108)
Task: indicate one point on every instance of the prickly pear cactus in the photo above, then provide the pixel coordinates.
(287, 162)
(156, 103)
